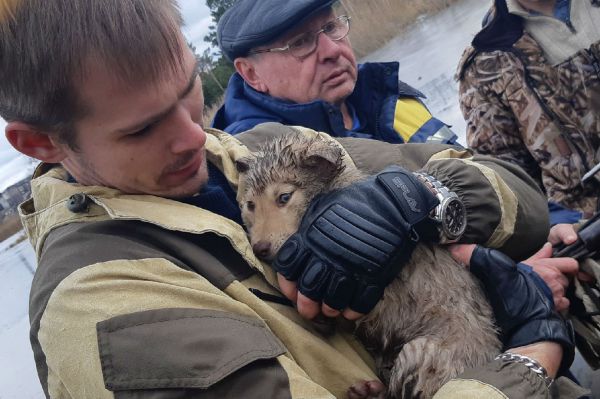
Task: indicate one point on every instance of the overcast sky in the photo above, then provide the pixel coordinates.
(14, 167)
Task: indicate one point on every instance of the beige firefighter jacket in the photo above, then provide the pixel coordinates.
(139, 296)
(543, 117)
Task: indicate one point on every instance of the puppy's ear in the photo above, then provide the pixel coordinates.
(323, 159)
(242, 165)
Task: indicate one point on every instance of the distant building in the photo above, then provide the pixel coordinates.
(12, 197)
(17, 193)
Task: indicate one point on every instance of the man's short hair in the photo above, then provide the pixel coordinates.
(252, 23)
(46, 47)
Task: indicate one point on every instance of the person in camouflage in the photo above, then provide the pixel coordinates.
(530, 93)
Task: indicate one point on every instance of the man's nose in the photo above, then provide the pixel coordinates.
(327, 48)
(187, 134)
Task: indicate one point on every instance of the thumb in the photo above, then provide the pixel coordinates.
(543, 253)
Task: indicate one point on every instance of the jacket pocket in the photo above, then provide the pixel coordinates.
(179, 352)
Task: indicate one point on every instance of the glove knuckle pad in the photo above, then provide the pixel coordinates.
(339, 292)
(291, 259)
(314, 280)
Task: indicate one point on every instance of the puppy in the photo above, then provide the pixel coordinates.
(433, 320)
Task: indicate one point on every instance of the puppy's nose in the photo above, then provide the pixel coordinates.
(262, 249)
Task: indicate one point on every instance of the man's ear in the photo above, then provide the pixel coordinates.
(246, 67)
(33, 142)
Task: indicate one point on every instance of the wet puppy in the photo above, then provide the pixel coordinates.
(433, 320)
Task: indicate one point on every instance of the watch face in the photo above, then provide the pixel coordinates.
(454, 219)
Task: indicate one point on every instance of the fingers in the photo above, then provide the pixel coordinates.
(288, 288)
(558, 291)
(562, 233)
(567, 266)
(351, 315)
(544, 252)
(543, 259)
(329, 311)
(561, 304)
(308, 308)
(554, 272)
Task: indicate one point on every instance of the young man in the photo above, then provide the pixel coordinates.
(295, 66)
(146, 284)
(530, 93)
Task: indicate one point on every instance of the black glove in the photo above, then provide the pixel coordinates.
(352, 242)
(519, 298)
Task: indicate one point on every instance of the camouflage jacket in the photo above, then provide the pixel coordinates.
(544, 118)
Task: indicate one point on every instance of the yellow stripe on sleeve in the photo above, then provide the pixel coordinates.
(409, 116)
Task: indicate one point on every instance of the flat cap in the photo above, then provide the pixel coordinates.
(251, 23)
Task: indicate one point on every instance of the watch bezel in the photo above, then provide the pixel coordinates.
(439, 214)
(448, 234)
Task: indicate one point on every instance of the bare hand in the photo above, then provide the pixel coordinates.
(308, 308)
(565, 234)
(555, 272)
(562, 233)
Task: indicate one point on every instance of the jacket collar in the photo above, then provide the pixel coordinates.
(514, 7)
(501, 31)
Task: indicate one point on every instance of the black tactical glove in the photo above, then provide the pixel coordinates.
(519, 298)
(352, 242)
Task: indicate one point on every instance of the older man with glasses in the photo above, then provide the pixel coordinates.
(295, 66)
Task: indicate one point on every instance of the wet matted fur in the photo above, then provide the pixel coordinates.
(433, 321)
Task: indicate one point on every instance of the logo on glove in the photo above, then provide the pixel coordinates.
(405, 191)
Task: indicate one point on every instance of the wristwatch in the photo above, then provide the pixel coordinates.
(450, 215)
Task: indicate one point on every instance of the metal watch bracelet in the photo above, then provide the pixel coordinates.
(531, 364)
(451, 218)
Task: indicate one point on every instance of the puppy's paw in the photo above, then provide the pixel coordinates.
(367, 390)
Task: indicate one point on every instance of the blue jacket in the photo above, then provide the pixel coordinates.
(385, 109)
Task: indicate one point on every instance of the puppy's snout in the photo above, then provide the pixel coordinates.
(262, 249)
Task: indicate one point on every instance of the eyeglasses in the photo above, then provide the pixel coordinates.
(304, 44)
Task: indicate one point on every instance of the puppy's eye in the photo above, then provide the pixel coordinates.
(284, 198)
(250, 205)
